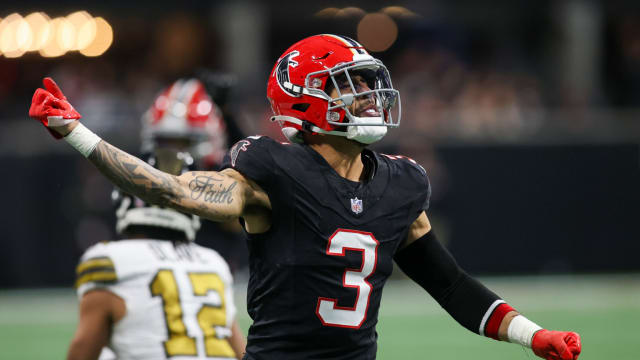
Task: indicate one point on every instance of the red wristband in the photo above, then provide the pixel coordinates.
(493, 324)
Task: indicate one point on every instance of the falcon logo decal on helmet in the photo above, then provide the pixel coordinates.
(282, 73)
(311, 89)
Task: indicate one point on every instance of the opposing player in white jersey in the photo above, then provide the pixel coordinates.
(156, 294)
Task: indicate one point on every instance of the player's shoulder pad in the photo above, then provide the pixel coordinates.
(256, 145)
(404, 163)
(96, 265)
(412, 175)
(254, 157)
(409, 173)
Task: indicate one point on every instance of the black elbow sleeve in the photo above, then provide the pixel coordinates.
(427, 262)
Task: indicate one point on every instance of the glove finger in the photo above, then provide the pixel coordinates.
(61, 104)
(575, 349)
(573, 343)
(53, 88)
(553, 355)
(67, 111)
(563, 350)
(39, 95)
(573, 338)
(566, 354)
(39, 98)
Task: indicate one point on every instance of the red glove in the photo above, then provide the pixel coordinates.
(556, 345)
(51, 107)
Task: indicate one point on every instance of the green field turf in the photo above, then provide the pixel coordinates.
(605, 310)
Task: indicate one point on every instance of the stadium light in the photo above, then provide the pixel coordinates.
(327, 12)
(86, 33)
(66, 34)
(350, 11)
(13, 35)
(24, 35)
(377, 32)
(51, 47)
(78, 20)
(399, 11)
(40, 28)
(347, 12)
(78, 31)
(102, 40)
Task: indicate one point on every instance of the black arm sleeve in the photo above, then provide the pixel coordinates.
(427, 262)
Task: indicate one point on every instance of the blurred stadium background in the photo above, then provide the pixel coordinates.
(526, 114)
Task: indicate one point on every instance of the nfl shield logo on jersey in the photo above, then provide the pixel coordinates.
(356, 205)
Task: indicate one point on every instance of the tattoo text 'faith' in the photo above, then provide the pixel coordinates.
(212, 190)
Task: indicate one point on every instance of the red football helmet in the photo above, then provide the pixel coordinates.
(185, 112)
(297, 89)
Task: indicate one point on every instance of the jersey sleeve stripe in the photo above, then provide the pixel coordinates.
(495, 320)
(487, 314)
(98, 262)
(98, 276)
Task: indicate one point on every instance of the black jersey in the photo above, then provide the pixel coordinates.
(316, 276)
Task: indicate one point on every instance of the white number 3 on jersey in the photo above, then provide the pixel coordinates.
(350, 317)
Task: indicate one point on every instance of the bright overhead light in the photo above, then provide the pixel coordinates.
(78, 31)
(51, 47)
(66, 34)
(40, 28)
(377, 32)
(399, 11)
(327, 12)
(79, 20)
(102, 40)
(86, 34)
(24, 35)
(347, 12)
(350, 11)
(14, 35)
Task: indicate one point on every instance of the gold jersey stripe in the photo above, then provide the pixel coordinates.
(101, 262)
(103, 276)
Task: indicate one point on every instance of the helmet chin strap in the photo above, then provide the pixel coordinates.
(366, 134)
(362, 134)
(287, 130)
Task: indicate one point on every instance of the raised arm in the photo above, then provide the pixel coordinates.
(427, 262)
(218, 196)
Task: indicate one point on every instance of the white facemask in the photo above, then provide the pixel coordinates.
(366, 134)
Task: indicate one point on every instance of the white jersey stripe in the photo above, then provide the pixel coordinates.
(486, 316)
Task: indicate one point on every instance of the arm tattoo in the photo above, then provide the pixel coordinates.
(211, 189)
(135, 176)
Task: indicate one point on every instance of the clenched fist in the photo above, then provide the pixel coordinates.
(556, 345)
(51, 107)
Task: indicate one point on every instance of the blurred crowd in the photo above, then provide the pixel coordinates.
(480, 76)
(515, 74)
(460, 82)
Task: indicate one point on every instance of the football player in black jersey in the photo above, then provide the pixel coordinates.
(324, 222)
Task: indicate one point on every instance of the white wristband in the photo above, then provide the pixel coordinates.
(521, 331)
(83, 140)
